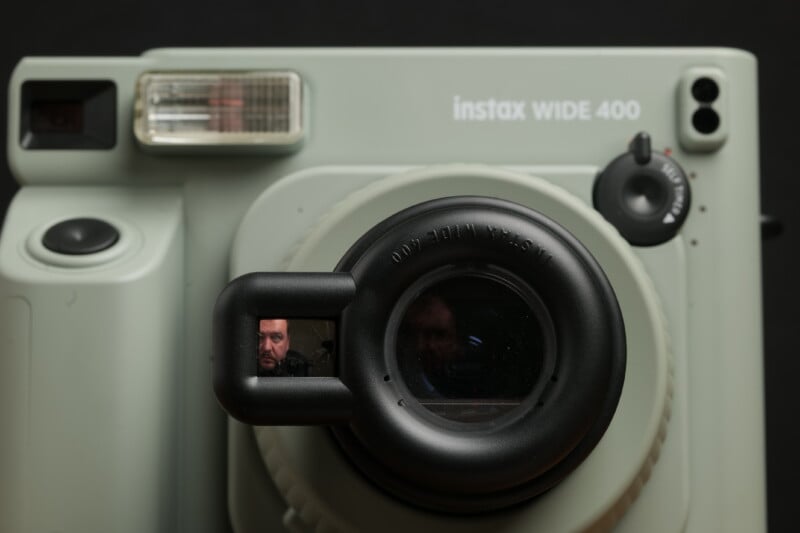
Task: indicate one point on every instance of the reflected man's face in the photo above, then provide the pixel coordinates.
(435, 337)
(273, 343)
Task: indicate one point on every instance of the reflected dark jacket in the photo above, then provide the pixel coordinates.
(294, 364)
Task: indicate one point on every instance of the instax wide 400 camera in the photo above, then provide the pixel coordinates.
(436, 290)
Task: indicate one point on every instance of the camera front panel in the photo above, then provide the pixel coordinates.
(561, 116)
(395, 403)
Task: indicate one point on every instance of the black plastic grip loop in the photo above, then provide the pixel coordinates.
(276, 400)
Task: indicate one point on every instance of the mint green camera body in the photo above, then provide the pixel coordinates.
(108, 415)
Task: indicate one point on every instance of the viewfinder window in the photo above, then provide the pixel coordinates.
(295, 348)
(68, 115)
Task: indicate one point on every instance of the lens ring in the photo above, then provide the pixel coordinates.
(446, 468)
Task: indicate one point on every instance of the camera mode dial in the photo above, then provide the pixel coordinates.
(644, 194)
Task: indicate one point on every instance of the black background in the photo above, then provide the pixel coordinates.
(768, 28)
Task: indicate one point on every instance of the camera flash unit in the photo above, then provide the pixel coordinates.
(228, 110)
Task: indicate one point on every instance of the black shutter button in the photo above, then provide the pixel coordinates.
(80, 236)
(644, 194)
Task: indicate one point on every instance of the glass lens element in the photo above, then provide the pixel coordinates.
(471, 348)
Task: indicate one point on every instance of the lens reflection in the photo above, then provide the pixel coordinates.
(470, 348)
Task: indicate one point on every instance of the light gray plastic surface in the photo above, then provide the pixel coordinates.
(89, 366)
